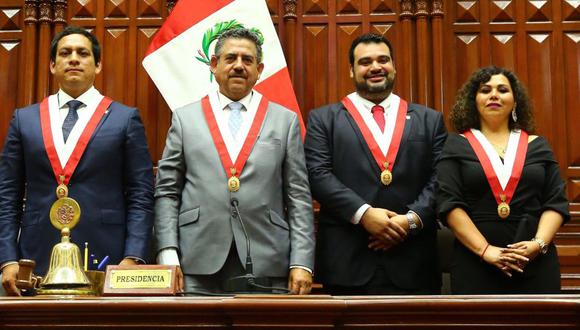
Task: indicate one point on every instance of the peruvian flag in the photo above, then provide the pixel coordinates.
(178, 57)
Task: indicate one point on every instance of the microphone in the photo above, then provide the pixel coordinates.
(249, 282)
(249, 265)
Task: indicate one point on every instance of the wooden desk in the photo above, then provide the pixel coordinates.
(282, 312)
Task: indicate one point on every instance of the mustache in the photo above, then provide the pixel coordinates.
(237, 75)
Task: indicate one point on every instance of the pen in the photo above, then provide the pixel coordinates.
(103, 263)
(93, 262)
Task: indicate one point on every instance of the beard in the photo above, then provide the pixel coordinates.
(384, 88)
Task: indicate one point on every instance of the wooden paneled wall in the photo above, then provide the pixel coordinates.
(437, 44)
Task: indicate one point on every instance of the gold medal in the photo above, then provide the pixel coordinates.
(386, 175)
(65, 212)
(503, 209)
(233, 181)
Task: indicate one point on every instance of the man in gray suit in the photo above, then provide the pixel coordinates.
(235, 146)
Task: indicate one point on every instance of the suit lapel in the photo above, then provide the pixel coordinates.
(407, 130)
(101, 122)
(361, 139)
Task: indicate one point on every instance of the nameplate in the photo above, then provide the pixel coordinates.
(140, 280)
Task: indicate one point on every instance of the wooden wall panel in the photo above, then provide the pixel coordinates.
(503, 50)
(11, 33)
(315, 84)
(570, 18)
(538, 57)
(9, 59)
(116, 80)
(571, 77)
(155, 113)
(346, 33)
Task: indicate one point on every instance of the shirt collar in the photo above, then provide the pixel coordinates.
(225, 101)
(368, 105)
(85, 97)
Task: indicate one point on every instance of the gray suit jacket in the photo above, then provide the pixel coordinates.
(193, 212)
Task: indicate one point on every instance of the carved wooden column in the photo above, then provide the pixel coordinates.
(27, 81)
(437, 53)
(44, 38)
(423, 53)
(404, 56)
(290, 35)
(60, 22)
(60, 7)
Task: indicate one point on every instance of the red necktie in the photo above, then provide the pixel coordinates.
(379, 116)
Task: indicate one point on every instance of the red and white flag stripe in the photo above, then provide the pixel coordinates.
(182, 78)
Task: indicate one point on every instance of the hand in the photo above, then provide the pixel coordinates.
(179, 279)
(377, 222)
(299, 281)
(128, 262)
(504, 259)
(9, 276)
(528, 249)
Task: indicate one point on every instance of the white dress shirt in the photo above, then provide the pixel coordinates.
(58, 110)
(219, 104)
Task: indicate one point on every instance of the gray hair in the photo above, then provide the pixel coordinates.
(239, 33)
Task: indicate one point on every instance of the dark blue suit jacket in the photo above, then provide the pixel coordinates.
(113, 183)
(344, 175)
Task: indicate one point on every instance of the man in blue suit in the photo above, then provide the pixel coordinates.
(371, 164)
(94, 146)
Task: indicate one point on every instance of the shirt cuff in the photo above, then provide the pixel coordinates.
(302, 267)
(359, 213)
(7, 263)
(168, 256)
(418, 218)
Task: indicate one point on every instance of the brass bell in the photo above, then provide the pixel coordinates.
(65, 273)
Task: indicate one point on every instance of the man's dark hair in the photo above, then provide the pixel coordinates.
(464, 114)
(71, 29)
(239, 33)
(369, 38)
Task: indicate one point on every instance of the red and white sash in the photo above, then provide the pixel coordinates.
(510, 170)
(68, 169)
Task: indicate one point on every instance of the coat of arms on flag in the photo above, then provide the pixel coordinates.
(178, 57)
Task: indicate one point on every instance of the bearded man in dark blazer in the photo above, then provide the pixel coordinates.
(371, 161)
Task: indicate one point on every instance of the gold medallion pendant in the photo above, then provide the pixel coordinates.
(386, 175)
(503, 209)
(234, 184)
(65, 211)
(233, 181)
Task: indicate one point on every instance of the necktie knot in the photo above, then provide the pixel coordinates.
(74, 104)
(377, 108)
(71, 118)
(379, 116)
(236, 119)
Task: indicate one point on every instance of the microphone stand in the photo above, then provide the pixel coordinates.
(247, 282)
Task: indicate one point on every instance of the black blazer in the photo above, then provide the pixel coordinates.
(344, 175)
